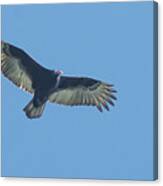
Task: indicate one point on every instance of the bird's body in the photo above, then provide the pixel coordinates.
(48, 85)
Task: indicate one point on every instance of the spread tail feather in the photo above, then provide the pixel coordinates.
(32, 111)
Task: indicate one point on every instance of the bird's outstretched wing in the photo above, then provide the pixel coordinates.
(83, 91)
(19, 67)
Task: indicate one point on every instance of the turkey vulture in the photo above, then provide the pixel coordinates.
(49, 85)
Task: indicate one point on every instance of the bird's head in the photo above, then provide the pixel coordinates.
(58, 72)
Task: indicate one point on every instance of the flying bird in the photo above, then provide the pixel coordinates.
(50, 85)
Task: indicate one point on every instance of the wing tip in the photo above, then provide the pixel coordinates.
(99, 108)
(104, 104)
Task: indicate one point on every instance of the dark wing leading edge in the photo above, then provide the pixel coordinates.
(83, 91)
(19, 67)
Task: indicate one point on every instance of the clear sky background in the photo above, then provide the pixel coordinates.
(108, 41)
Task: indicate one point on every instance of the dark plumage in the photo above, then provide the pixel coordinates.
(48, 85)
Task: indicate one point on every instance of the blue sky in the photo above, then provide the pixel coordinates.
(108, 41)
